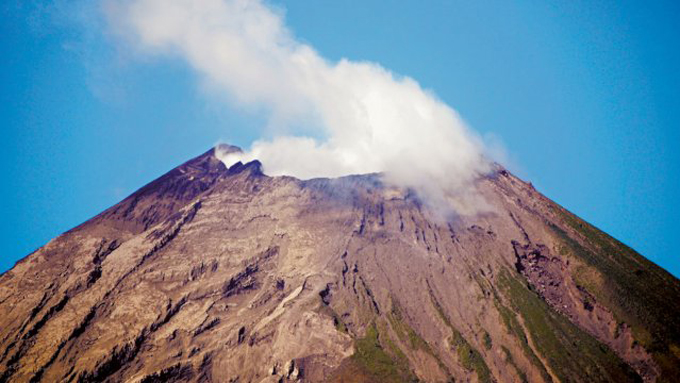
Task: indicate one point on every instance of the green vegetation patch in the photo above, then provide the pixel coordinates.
(407, 334)
(337, 320)
(468, 356)
(638, 292)
(512, 324)
(511, 361)
(377, 362)
(487, 341)
(572, 354)
(404, 331)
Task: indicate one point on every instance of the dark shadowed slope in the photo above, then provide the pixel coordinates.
(216, 274)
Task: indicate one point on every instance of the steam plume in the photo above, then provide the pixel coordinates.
(327, 118)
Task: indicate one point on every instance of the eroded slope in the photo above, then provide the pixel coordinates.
(211, 274)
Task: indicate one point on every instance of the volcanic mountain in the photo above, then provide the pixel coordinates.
(216, 274)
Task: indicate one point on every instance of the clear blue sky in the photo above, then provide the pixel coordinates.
(585, 97)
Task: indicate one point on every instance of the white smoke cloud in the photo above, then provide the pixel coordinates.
(327, 119)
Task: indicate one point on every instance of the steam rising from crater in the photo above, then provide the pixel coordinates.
(326, 119)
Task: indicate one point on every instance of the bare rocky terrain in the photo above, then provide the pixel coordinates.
(216, 274)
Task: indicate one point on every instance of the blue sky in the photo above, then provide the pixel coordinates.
(585, 98)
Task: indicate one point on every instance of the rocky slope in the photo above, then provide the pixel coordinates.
(211, 274)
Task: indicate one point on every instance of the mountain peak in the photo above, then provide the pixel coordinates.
(164, 196)
(211, 273)
(222, 149)
(253, 167)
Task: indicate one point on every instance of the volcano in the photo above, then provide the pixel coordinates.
(216, 274)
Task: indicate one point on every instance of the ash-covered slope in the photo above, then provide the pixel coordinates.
(228, 275)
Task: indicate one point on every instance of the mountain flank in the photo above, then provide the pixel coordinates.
(216, 274)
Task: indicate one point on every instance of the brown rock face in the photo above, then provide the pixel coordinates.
(210, 274)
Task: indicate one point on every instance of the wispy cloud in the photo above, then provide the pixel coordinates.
(326, 118)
